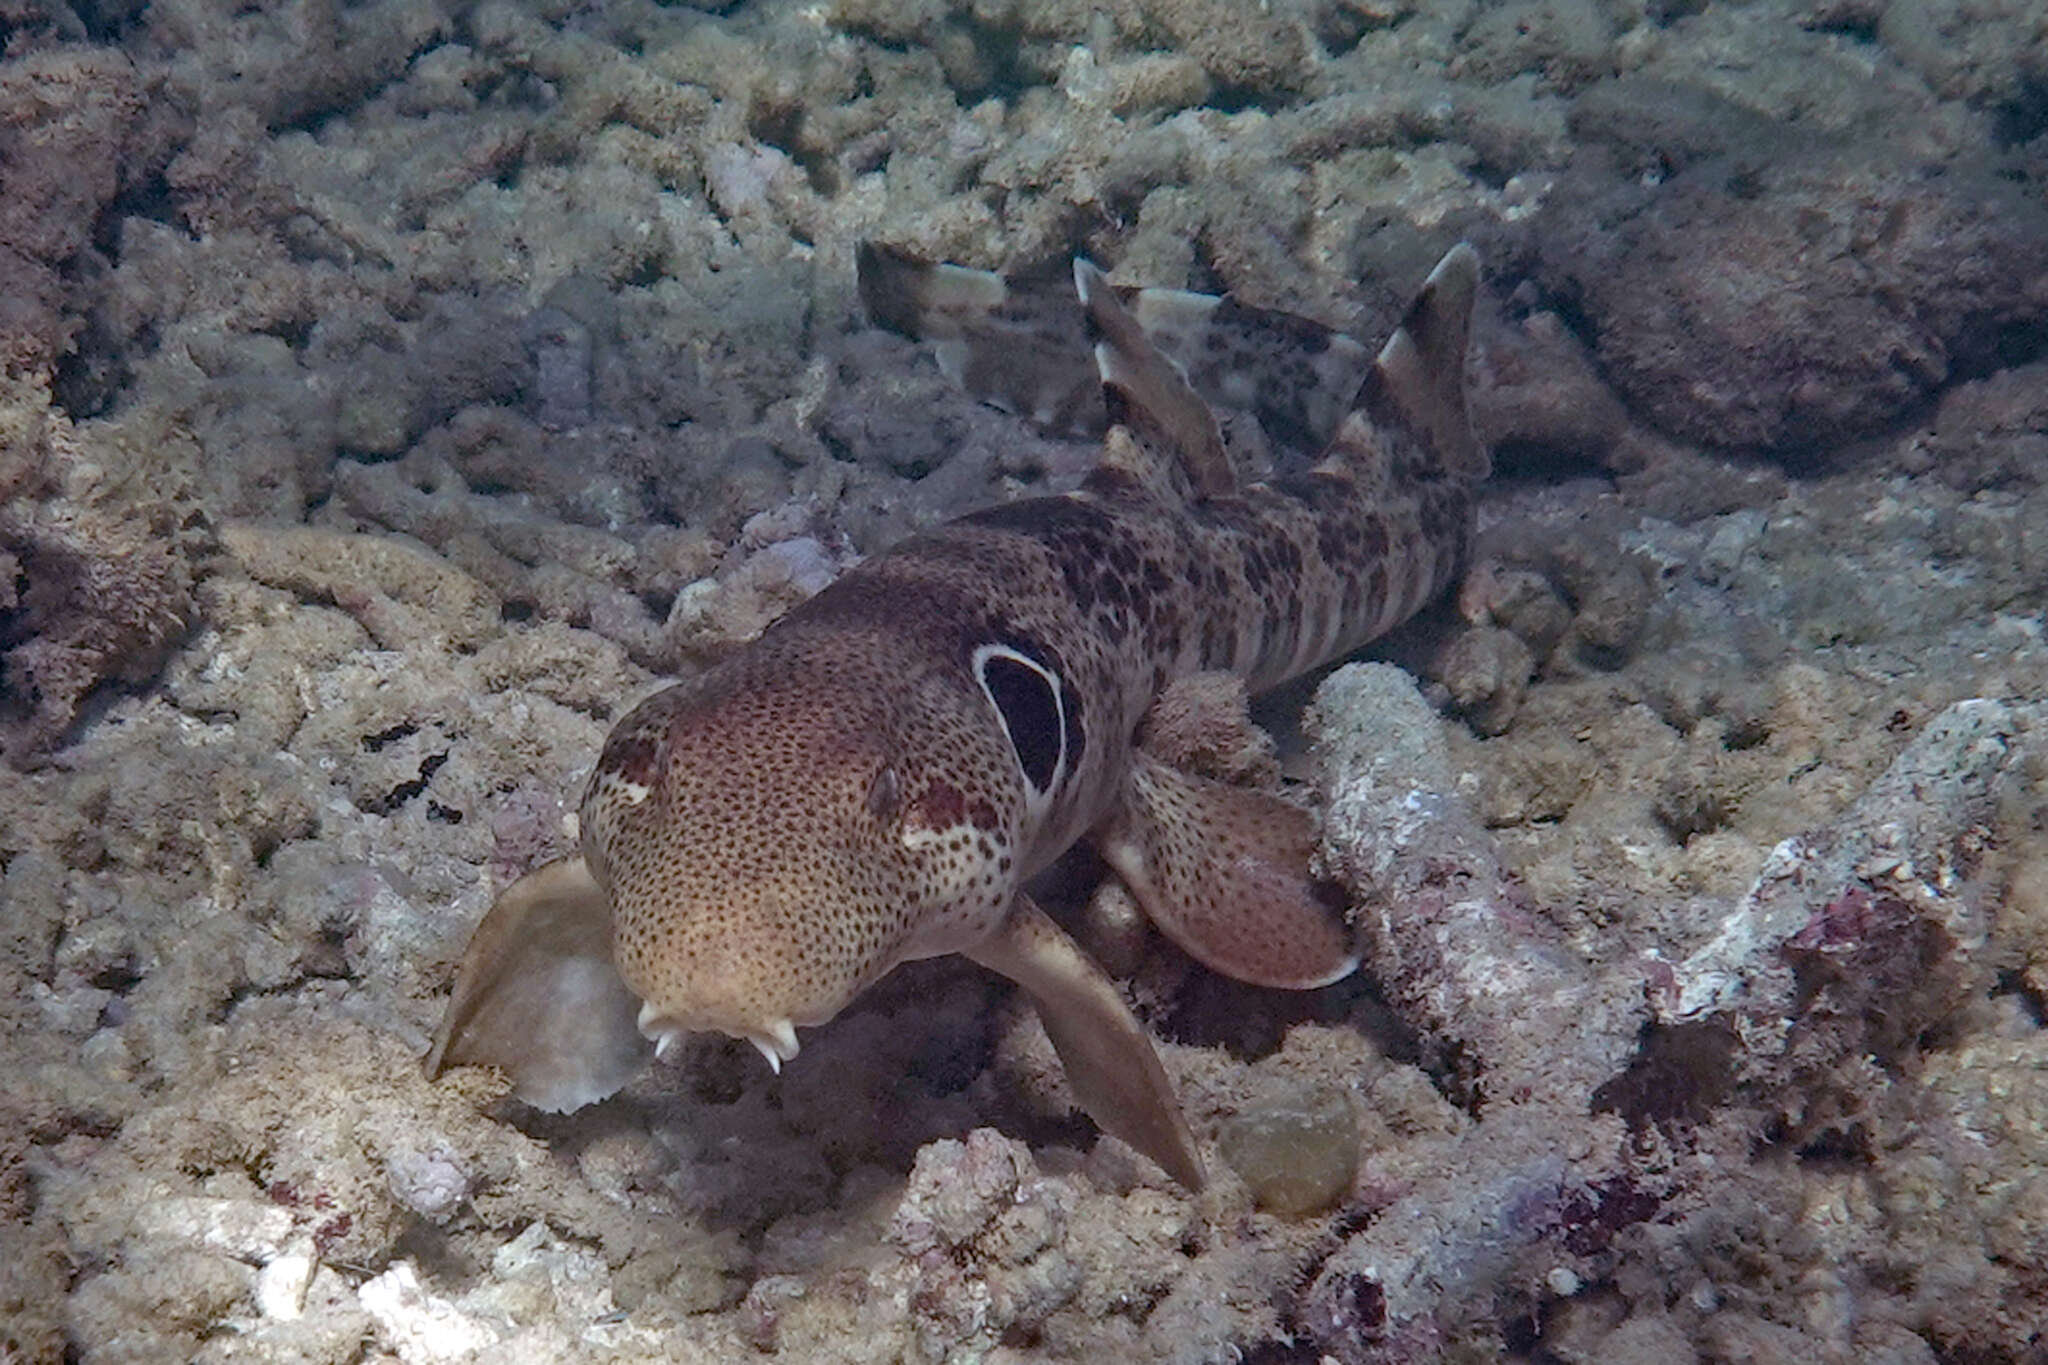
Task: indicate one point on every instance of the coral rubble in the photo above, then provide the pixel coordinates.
(391, 394)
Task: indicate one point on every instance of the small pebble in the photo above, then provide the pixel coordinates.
(1298, 1155)
(430, 1181)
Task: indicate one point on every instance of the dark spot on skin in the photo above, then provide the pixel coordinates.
(1443, 514)
(1287, 560)
(1169, 628)
(1216, 640)
(1255, 569)
(633, 755)
(1156, 582)
(939, 806)
(1336, 542)
(1373, 538)
(1226, 514)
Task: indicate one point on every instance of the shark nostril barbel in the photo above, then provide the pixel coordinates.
(875, 777)
(776, 1041)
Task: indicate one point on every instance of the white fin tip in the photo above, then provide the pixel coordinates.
(1087, 278)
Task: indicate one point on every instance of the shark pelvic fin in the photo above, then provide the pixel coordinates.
(1109, 1059)
(1148, 394)
(1223, 871)
(537, 995)
(1294, 374)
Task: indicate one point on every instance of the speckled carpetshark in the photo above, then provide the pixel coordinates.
(873, 779)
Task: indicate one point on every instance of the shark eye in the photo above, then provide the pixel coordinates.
(1026, 696)
(885, 794)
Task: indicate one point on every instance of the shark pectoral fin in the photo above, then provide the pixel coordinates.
(1109, 1059)
(537, 995)
(1224, 872)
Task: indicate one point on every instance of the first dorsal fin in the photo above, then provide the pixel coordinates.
(1417, 383)
(1147, 394)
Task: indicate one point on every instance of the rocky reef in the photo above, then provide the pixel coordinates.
(392, 393)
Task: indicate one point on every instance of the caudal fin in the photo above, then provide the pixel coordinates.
(1014, 347)
(1016, 344)
(1417, 384)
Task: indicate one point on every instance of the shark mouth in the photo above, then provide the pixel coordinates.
(774, 1038)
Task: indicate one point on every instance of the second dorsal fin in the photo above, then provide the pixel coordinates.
(1417, 383)
(1148, 395)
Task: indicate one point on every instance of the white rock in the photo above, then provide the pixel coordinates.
(242, 1228)
(422, 1329)
(281, 1286)
(1948, 779)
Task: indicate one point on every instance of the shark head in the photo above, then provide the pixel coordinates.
(772, 839)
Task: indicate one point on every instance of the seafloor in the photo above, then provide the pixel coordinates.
(394, 391)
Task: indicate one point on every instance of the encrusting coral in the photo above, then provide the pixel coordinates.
(94, 588)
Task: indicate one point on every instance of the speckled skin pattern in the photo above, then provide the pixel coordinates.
(871, 780)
